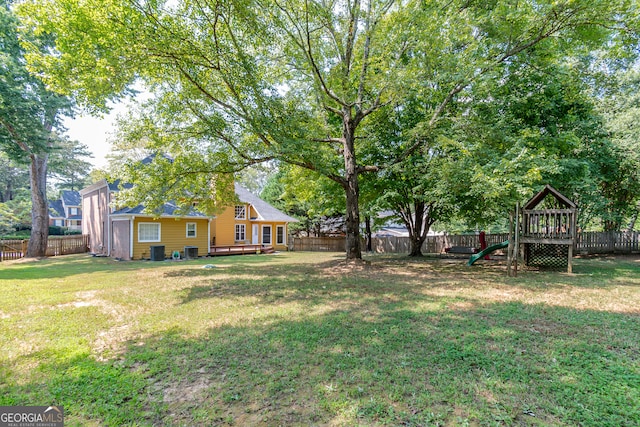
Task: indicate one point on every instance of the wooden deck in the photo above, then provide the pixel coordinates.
(240, 250)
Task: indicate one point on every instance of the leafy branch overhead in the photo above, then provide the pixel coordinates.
(300, 81)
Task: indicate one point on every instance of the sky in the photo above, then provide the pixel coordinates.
(94, 132)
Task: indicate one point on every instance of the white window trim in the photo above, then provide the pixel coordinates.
(244, 233)
(284, 235)
(264, 227)
(195, 230)
(244, 212)
(159, 232)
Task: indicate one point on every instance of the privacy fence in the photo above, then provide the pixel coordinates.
(608, 242)
(63, 245)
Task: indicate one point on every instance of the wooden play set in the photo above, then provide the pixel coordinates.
(543, 232)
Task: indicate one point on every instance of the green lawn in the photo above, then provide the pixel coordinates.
(303, 339)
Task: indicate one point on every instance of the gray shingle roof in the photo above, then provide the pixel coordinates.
(264, 209)
(168, 209)
(71, 198)
(55, 209)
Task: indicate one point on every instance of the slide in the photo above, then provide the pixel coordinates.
(487, 251)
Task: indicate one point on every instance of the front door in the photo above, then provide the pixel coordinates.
(254, 234)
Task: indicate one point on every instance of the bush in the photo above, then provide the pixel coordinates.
(55, 230)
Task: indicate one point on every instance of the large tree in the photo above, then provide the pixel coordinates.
(68, 164)
(28, 115)
(240, 82)
(620, 184)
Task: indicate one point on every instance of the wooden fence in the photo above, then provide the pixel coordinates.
(319, 244)
(587, 243)
(64, 245)
(12, 249)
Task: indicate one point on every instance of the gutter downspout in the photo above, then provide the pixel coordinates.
(109, 232)
(131, 237)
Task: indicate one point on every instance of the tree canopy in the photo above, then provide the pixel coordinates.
(242, 82)
(29, 113)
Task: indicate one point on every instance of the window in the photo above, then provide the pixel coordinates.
(58, 222)
(241, 212)
(191, 229)
(280, 235)
(148, 232)
(73, 211)
(240, 233)
(266, 234)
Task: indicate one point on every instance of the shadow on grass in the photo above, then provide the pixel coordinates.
(483, 364)
(68, 265)
(400, 276)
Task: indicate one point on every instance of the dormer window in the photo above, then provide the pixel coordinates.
(241, 212)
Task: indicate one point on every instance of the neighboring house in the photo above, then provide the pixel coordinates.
(66, 212)
(129, 233)
(71, 203)
(391, 226)
(56, 213)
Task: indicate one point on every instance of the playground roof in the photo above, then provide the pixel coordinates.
(562, 199)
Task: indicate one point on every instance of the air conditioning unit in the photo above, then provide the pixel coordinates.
(157, 253)
(190, 252)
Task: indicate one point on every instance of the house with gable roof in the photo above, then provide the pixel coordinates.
(252, 221)
(66, 211)
(128, 233)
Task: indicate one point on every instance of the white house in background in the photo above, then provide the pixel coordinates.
(66, 211)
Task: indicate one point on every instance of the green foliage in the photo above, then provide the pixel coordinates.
(15, 214)
(29, 113)
(68, 165)
(620, 170)
(305, 195)
(238, 83)
(161, 179)
(13, 177)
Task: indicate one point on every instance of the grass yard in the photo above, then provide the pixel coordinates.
(302, 339)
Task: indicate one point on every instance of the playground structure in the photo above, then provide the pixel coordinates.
(544, 232)
(486, 251)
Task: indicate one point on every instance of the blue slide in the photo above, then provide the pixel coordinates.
(487, 251)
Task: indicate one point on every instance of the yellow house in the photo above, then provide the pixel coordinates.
(250, 225)
(250, 222)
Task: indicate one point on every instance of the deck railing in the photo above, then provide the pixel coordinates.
(548, 224)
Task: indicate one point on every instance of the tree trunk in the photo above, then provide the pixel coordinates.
(611, 225)
(416, 245)
(416, 237)
(40, 208)
(418, 222)
(352, 190)
(634, 218)
(367, 233)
